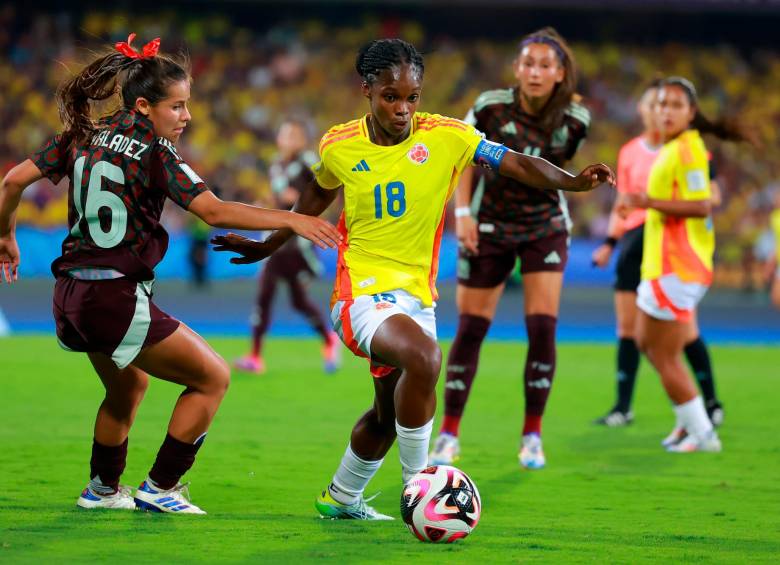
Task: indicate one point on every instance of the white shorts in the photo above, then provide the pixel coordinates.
(356, 321)
(668, 298)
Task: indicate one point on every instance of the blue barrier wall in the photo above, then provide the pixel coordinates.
(39, 247)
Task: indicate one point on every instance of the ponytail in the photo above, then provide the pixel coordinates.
(96, 82)
(127, 72)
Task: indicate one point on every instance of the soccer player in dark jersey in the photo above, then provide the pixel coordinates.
(295, 263)
(121, 171)
(384, 293)
(500, 220)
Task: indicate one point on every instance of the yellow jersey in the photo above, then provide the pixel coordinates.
(683, 246)
(394, 202)
(774, 220)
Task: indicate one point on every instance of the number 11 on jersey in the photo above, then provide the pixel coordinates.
(395, 196)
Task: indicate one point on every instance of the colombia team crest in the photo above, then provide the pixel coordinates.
(418, 154)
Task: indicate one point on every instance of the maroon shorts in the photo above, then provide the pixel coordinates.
(116, 317)
(495, 261)
(289, 263)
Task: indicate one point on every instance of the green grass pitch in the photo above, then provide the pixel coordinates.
(608, 495)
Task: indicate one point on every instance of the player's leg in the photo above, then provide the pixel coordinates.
(662, 341)
(302, 302)
(627, 360)
(698, 356)
(402, 342)
(480, 286)
(183, 358)
(542, 264)
(125, 389)
(261, 317)
(627, 278)
(372, 436)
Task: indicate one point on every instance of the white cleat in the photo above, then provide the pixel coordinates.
(675, 436)
(531, 454)
(446, 450)
(175, 500)
(120, 500)
(708, 442)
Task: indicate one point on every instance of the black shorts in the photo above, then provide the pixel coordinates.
(495, 261)
(629, 262)
(116, 317)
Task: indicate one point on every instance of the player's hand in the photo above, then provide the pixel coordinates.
(9, 259)
(321, 232)
(601, 255)
(468, 237)
(637, 200)
(593, 176)
(250, 250)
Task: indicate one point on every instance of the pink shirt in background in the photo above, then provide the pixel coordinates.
(635, 160)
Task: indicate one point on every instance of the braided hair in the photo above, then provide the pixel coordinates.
(111, 73)
(381, 54)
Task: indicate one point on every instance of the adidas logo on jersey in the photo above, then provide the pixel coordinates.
(553, 258)
(361, 167)
(509, 128)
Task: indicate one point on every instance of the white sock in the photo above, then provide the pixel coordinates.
(413, 448)
(352, 476)
(693, 417)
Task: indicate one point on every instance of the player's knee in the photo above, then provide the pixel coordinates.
(425, 361)
(219, 377)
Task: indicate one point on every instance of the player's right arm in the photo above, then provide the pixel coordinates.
(226, 214)
(316, 197)
(615, 230)
(11, 189)
(312, 202)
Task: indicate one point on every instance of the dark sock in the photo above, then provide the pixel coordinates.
(627, 366)
(107, 464)
(173, 460)
(461, 368)
(699, 360)
(539, 369)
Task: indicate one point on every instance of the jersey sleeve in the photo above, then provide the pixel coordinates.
(694, 172)
(578, 124)
(464, 140)
(51, 159)
(323, 174)
(175, 177)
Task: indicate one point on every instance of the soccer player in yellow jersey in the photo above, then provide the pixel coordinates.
(679, 242)
(397, 168)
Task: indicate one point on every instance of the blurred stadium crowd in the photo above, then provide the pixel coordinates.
(245, 82)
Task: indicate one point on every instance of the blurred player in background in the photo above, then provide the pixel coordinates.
(295, 263)
(773, 265)
(398, 169)
(122, 170)
(635, 160)
(501, 220)
(679, 242)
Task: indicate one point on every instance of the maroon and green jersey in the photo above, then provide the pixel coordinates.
(506, 209)
(119, 180)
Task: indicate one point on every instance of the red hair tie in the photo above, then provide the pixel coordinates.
(149, 50)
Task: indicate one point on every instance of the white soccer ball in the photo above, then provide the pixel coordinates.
(441, 504)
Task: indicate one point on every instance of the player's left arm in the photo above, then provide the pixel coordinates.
(11, 188)
(540, 173)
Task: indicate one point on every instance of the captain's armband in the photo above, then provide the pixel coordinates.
(489, 154)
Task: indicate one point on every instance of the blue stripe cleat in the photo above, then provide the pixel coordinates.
(176, 500)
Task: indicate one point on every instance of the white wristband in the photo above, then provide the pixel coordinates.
(462, 211)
